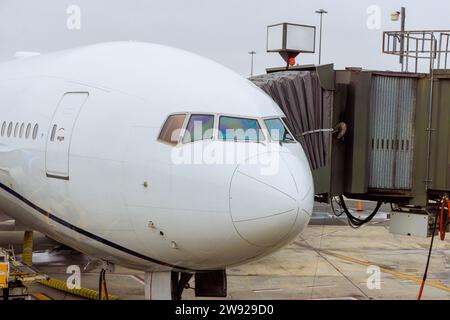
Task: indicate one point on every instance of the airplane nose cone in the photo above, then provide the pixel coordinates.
(265, 205)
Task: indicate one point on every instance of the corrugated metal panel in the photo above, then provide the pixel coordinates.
(391, 132)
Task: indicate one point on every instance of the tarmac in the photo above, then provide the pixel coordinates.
(330, 260)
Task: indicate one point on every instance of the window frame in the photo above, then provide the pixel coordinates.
(35, 131)
(53, 132)
(3, 130)
(22, 130)
(16, 130)
(10, 129)
(258, 120)
(188, 118)
(28, 131)
(266, 137)
(284, 123)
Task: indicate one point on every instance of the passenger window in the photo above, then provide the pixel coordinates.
(239, 129)
(27, 132)
(278, 131)
(171, 130)
(52, 136)
(199, 127)
(3, 128)
(35, 131)
(10, 125)
(22, 127)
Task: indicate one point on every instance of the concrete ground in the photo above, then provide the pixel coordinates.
(329, 260)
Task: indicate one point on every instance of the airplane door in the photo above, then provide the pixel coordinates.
(60, 134)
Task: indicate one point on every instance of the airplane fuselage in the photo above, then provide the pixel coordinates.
(80, 159)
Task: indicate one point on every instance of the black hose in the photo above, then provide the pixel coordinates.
(354, 221)
(392, 207)
(105, 288)
(334, 211)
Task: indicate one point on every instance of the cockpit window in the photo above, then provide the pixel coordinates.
(199, 127)
(278, 131)
(170, 133)
(239, 129)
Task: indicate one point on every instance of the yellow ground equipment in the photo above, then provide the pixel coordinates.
(4, 269)
(27, 254)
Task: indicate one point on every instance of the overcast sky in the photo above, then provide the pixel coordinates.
(223, 30)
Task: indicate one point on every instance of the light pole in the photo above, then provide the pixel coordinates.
(251, 53)
(394, 17)
(321, 12)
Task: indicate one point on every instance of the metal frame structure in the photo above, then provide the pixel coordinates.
(419, 45)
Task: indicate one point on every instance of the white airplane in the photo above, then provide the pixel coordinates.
(89, 139)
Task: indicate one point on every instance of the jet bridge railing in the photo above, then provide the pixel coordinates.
(431, 46)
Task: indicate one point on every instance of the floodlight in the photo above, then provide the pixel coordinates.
(291, 37)
(395, 15)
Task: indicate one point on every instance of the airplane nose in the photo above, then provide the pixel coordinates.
(265, 206)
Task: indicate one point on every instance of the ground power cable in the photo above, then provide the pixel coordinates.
(337, 269)
(354, 221)
(318, 258)
(320, 255)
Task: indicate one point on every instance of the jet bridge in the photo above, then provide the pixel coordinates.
(374, 135)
